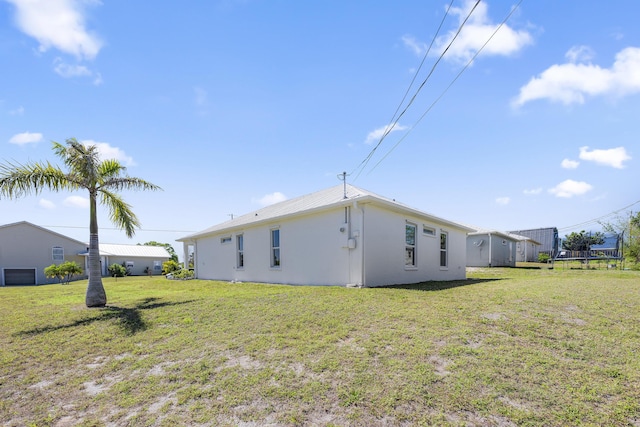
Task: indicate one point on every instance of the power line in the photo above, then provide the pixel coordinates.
(596, 220)
(395, 117)
(467, 65)
(113, 228)
(393, 123)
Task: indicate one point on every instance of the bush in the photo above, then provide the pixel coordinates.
(543, 257)
(170, 266)
(117, 270)
(63, 272)
(183, 274)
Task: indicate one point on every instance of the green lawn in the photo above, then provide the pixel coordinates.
(508, 347)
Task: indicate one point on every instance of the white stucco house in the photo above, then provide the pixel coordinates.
(27, 249)
(339, 236)
(491, 248)
(137, 259)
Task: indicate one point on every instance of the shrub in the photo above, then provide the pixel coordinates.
(63, 272)
(183, 274)
(117, 270)
(170, 266)
(543, 257)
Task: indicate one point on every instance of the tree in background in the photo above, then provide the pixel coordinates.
(101, 178)
(167, 246)
(582, 241)
(63, 272)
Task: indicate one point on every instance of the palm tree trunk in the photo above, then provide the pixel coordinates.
(96, 296)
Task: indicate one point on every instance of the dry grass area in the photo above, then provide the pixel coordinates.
(508, 347)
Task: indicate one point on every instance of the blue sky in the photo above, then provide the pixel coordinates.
(233, 104)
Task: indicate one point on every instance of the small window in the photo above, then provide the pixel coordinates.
(57, 253)
(226, 239)
(240, 249)
(275, 247)
(410, 246)
(443, 248)
(157, 265)
(428, 231)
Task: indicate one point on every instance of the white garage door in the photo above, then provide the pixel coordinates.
(19, 276)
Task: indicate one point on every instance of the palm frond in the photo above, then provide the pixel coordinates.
(120, 212)
(128, 183)
(18, 180)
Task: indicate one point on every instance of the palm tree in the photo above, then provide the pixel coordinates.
(102, 178)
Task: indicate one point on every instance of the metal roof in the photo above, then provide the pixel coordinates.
(320, 200)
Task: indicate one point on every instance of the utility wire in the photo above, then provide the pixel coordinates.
(596, 220)
(393, 123)
(467, 65)
(112, 228)
(394, 119)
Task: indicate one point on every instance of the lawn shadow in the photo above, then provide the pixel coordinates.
(129, 319)
(440, 285)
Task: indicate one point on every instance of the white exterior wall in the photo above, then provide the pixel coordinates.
(313, 251)
(139, 264)
(24, 246)
(385, 243)
(527, 251)
(495, 251)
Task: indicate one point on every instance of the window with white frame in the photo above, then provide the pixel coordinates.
(428, 231)
(443, 248)
(157, 265)
(240, 251)
(225, 239)
(410, 245)
(57, 253)
(275, 247)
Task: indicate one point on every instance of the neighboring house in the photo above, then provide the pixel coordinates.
(137, 259)
(490, 248)
(27, 249)
(527, 249)
(337, 236)
(546, 237)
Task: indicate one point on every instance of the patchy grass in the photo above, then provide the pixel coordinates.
(508, 347)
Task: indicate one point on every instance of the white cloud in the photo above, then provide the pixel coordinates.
(375, 135)
(572, 82)
(503, 200)
(533, 191)
(569, 164)
(58, 24)
(76, 202)
(47, 204)
(417, 47)
(570, 188)
(476, 32)
(26, 138)
(17, 112)
(613, 157)
(579, 54)
(66, 70)
(270, 199)
(108, 152)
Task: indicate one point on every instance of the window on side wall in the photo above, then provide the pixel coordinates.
(275, 247)
(240, 250)
(57, 253)
(444, 242)
(410, 246)
(428, 231)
